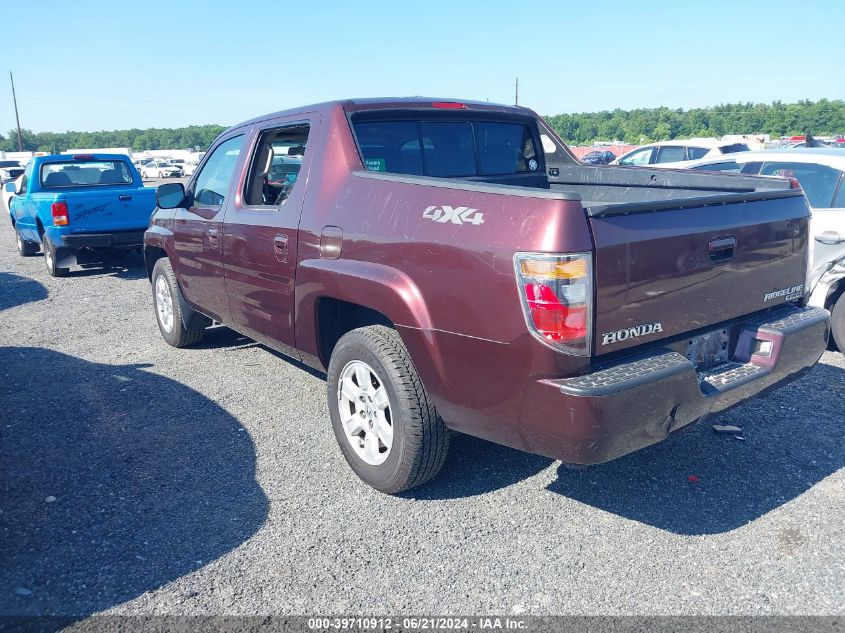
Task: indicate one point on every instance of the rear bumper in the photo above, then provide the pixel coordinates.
(116, 239)
(625, 406)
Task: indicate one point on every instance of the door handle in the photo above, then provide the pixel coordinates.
(722, 248)
(830, 238)
(124, 197)
(212, 237)
(280, 247)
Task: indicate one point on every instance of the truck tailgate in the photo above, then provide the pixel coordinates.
(109, 209)
(673, 268)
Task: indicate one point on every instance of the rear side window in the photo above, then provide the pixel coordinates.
(694, 153)
(80, 173)
(818, 181)
(670, 154)
(447, 149)
(275, 165)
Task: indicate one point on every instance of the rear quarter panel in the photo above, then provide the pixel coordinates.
(448, 288)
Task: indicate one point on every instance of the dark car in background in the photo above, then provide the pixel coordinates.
(598, 157)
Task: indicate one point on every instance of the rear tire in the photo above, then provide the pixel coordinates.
(837, 323)
(417, 438)
(50, 258)
(25, 247)
(167, 303)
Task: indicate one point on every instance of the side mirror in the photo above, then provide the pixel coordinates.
(831, 238)
(10, 187)
(170, 195)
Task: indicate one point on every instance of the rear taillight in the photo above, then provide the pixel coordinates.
(59, 210)
(557, 298)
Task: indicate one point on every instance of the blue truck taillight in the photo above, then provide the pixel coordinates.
(59, 211)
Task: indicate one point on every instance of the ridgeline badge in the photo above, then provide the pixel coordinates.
(788, 294)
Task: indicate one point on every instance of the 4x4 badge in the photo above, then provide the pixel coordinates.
(455, 215)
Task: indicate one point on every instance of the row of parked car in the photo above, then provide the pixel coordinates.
(161, 168)
(452, 266)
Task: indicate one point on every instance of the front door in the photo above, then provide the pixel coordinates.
(260, 234)
(197, 230)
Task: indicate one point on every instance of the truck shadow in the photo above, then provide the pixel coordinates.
(124, 266)
(113, 482)
(16, 290)
(785, 453)
(475, 467)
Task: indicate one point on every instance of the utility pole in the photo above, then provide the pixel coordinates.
(17, 118)
(516, 95)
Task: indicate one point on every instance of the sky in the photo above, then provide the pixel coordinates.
(90, 65)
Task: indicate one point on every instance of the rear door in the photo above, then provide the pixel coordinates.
(197, 229)
(261, 231)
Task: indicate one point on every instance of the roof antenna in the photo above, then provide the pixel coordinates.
(516, 94)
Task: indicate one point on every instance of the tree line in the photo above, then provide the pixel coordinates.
(194, 136)
(645, 125)
(642, 125)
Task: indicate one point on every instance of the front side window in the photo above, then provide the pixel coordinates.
(818, 181)
(27, 174)
(275, 166)
(212, 183)
(638, 157)
(84, 173)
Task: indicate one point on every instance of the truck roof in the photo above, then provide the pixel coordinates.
(387, 103)
(63, 158)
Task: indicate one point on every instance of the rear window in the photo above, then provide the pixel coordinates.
(447, 149)
(818, 181)
(85, 173)
(723, 166)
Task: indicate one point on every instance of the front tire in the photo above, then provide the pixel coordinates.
(837, 323)
(167, 302)
(50, 258)
(25, 247)
(383, 417)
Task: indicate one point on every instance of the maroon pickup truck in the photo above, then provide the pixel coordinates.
(452, 266)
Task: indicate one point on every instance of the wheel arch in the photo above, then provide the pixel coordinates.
(336, 296)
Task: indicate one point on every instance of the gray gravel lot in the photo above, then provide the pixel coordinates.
(140, 479)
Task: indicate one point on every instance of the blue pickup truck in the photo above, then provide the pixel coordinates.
(74, 204)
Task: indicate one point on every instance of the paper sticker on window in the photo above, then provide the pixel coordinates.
(376, 164)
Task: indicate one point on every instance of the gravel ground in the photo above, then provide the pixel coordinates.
(140, 479)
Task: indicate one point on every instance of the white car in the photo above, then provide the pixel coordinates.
(821, 174)
(190, 167)
(675, 153)
(8, 195)
(10, 170)
(160, 169)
